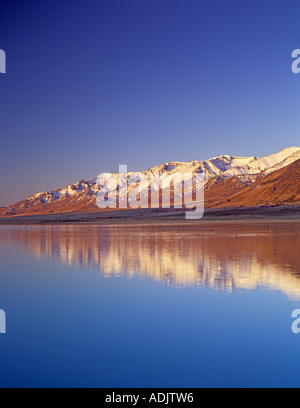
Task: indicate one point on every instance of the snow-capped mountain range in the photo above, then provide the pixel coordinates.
(224, 175)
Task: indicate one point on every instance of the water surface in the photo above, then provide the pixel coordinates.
(150, 305)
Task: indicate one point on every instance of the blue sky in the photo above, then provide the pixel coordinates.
(92, 84)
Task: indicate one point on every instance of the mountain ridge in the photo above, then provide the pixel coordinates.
(225, 178)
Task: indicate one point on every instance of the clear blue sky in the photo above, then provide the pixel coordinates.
(92, 84)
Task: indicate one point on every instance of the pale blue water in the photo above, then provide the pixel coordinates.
(150, 306)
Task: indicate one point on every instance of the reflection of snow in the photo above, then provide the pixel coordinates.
(226, 258)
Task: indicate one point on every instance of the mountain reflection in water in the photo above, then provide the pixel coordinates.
(229, 256)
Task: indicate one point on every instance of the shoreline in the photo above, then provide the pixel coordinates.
(161, 216)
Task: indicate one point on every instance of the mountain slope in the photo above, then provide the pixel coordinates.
(229, 181)
(279, 187)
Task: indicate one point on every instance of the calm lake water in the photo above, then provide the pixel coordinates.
(205, 305)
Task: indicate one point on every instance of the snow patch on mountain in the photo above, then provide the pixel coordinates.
(242, 169)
